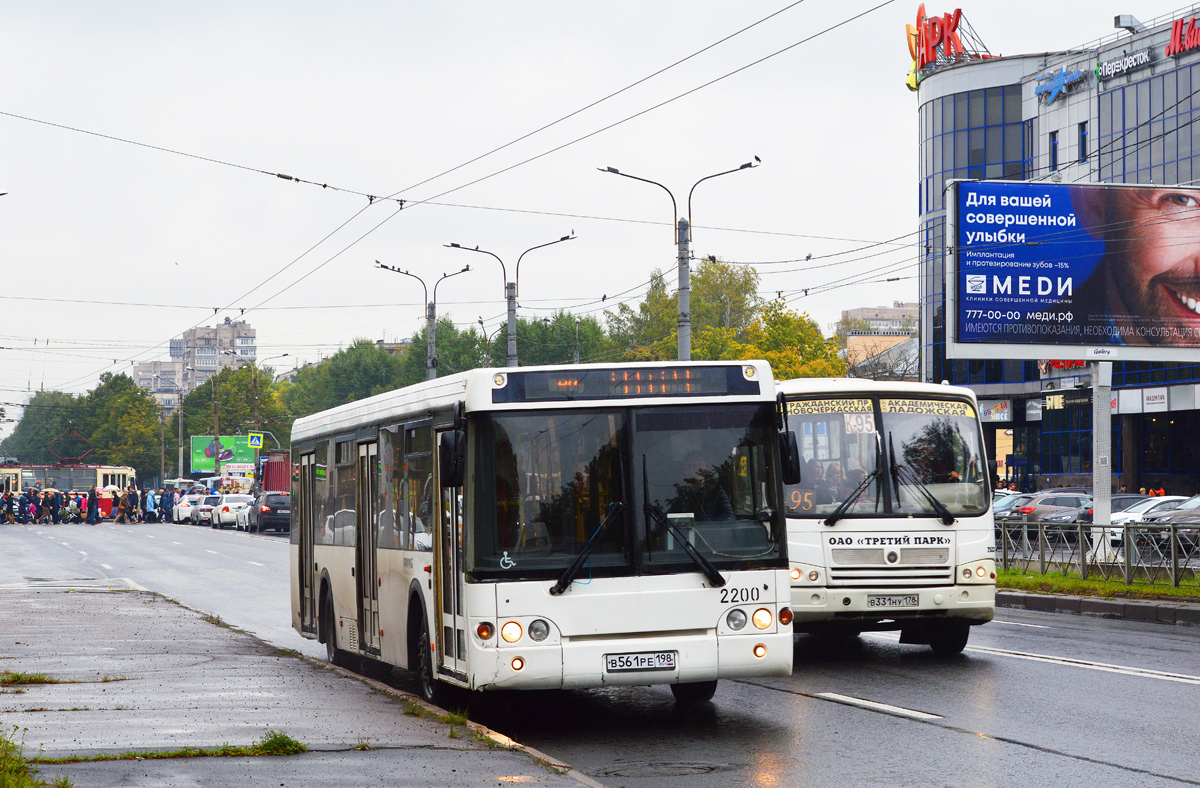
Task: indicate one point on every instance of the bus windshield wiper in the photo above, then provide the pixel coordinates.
(845, 505)
(569, 576)
(711, 572)
(909, 476)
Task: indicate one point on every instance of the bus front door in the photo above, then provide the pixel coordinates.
(452, 625)
(366, 536)
(304, 517)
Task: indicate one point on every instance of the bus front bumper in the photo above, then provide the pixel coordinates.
(584, 663)
(870, 607)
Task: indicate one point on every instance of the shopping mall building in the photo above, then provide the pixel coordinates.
(1119, 110)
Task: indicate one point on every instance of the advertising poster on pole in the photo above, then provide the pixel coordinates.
(1087, 271)
(235, 452)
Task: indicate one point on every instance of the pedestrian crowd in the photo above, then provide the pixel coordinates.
(54, 506)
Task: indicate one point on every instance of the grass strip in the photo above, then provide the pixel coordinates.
(1058, 583)
(272, 743)
(12, 678)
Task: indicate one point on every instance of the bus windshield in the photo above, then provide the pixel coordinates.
(887, 456)
(702, 474)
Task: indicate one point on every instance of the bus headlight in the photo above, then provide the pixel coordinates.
(736, 619)
(762, 618)
(795, 573)
(511, 631)
(539, 630)
(978, 572)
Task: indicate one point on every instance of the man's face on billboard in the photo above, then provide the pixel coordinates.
(1153, 238)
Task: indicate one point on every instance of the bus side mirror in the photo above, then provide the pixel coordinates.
(452, 458)
(789, 454)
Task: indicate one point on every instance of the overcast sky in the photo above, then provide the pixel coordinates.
(382, 98)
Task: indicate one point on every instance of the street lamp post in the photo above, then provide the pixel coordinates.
(257, 426)
(683, 239)
(575, 355)
(510, 289)
(430, 315)
(179, 407)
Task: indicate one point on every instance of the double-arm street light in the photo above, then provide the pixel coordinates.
(430, 315)
(510, 288)
(683, 240)
(255, 368)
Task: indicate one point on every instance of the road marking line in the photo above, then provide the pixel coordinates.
(148, 536)
(82, 553)
(255, 563)
(870, 704)
(1019, 624)
(132, 584)
(1104, 667)
(214, 552)
(105, 566)
(178, 543)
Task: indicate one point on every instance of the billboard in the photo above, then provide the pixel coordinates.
(1073, 271)
(236, 454)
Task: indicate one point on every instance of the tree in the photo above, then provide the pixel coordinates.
(455, 351)
(724, 296)
(648, 334)
(843, 329)
(792, 342)
(361, 370)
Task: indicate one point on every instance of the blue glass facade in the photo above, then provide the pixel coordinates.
(1144, 128)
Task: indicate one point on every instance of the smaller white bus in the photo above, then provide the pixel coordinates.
(891, 524)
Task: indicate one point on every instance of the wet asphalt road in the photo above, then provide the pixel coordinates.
(1037, 698)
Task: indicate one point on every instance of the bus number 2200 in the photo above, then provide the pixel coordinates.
(735, 595)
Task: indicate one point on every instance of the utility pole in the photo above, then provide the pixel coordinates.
(683, 240)
(430, 315)
(216, 432)
(510, 289)
(684, 270)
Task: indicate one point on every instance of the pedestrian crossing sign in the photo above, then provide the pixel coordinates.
(255, 441)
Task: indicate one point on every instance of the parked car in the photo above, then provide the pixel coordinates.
(1119, 503)
(239, 522)
(202, 510)
(1006, 510)
(183, 508)
(1186, 516)
(1147, 507)
(224, 511)
(270, 510)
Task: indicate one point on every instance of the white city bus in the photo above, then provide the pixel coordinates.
(890, 526)
(549, 527)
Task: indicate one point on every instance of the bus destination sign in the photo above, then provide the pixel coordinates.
(624, 383)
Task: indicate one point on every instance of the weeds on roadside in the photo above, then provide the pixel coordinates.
(10, 678)
(1058, 583)
(18, 772)
(272, 743)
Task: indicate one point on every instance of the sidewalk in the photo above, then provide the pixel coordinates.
(141, 673)
(1161, 611)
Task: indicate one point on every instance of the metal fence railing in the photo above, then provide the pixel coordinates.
(1133, 554)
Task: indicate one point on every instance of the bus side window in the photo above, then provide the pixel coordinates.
(417, 523)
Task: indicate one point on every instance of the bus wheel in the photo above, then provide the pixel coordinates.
(333, 654)
(696, 692)
(432, 690)
(950, 638)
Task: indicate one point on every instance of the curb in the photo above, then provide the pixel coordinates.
(546, 761)
(1181, 613)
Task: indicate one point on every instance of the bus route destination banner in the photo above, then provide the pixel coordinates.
(235, 450)
(1077, 264)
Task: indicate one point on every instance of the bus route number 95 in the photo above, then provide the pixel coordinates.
(801, 500)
